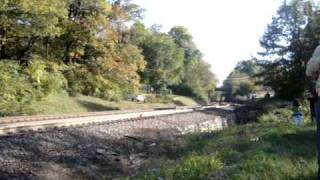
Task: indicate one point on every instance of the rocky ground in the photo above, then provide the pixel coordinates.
(100, 151)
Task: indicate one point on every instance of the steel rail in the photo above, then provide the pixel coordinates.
(23, 124)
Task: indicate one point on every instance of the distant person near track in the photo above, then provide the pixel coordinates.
(296, 113)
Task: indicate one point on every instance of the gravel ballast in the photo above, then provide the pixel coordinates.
(102, 151)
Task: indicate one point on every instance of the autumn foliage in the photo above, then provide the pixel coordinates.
(91, 47)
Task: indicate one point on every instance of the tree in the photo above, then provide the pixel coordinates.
(289, 42)
(197, 79)
(164, 61)
(26, 24)
(89, 47)
(245, 88)
(242, 81)
(104, 63)
(249, 67)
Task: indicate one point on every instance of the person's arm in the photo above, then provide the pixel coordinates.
(313, 65)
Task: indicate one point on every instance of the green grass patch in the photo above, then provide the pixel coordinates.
(272, 148)
(253, 151)
(183, 100)
(62, 103)
(190, 167)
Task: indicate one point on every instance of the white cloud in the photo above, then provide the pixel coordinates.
(226, 31)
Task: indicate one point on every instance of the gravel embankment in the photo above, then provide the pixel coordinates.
(93, 152)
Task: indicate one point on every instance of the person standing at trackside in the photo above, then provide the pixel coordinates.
(296, 113)
(313, 71)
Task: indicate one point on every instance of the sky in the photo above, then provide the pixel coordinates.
(226, 31)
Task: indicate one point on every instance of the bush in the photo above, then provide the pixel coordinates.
(21, 86)
(276, 115)
(81, 81)
(165, 98)
(151, 98)
(16, 91)
(45, 76)
(196, 167)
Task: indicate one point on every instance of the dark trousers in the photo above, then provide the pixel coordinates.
(317, 113)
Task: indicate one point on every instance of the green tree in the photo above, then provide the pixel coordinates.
(197, 79)
(26, 24)
(89, 47)
(289, 42)
(164, 61)
(245, 88)
(102, 61)
(243, 80)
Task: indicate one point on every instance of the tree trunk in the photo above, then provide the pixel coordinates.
(66, 53)
(2, 50)
(46, 45)
(2, 44)
(25, 52)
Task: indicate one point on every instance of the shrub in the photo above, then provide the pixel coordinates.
(276, 116)
(196, 167)
(151, 98)
(81, 81)
(21, 86)
(16, 91)
(45, 76)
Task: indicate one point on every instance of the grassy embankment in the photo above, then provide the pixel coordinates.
(270, 148)
(63, 103)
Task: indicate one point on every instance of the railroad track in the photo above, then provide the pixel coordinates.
(23, 124)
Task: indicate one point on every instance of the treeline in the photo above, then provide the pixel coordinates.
(242, 82)
(288, 43)
(173, 62)
(88, 47)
